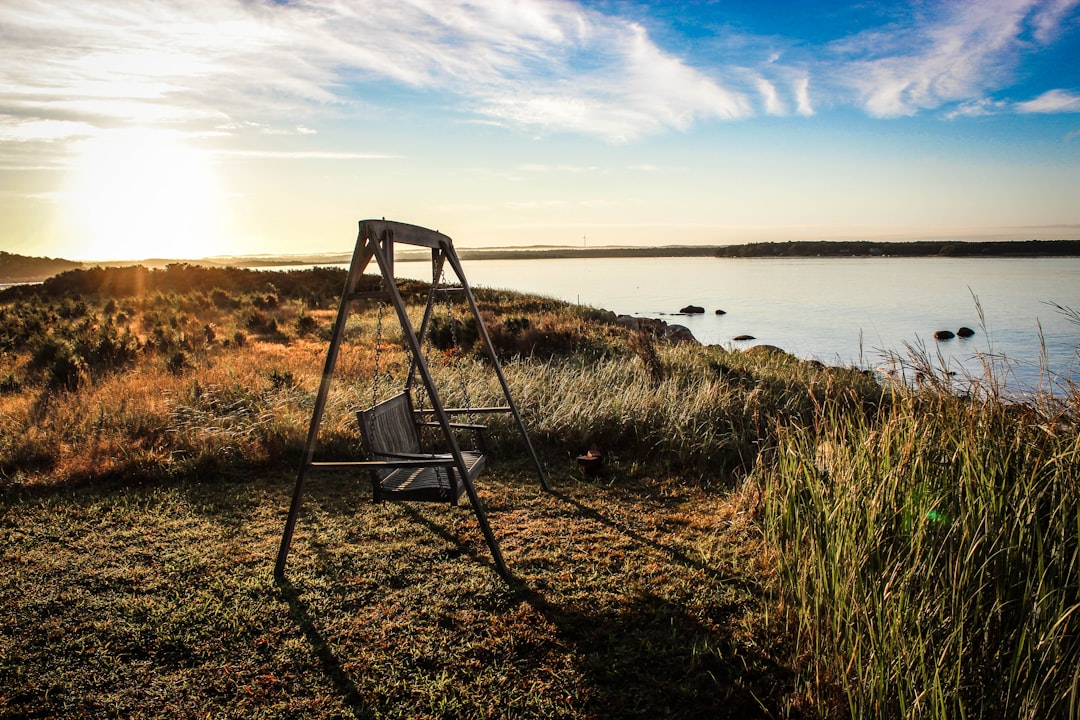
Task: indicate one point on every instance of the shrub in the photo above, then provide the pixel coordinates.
(306, 325)
(10, 384)
(280, 379)
(221, 299)
(178, 362)
(66, 369)
(269, 301)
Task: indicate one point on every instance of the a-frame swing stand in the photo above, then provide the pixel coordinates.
(393, 471)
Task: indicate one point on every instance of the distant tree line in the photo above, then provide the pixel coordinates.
(922, 248)
(183, 276)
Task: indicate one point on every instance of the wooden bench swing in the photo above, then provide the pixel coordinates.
(390, 430)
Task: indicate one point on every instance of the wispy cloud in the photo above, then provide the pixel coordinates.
(951, 53)
(541, 168)
(801, 89)
(547, 64)
(306, 155)
(773, 104)
(73, 67)
(1052, 101)
(19, 130)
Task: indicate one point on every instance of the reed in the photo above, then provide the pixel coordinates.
(929, 557)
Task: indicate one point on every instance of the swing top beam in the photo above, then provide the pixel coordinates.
(400, 232)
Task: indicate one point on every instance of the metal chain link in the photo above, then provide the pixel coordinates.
(378, 349)
(459, 355)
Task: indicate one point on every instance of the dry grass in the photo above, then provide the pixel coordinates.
(629, 601)
(920, 548)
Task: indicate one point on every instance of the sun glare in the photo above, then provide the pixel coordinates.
(137, 195)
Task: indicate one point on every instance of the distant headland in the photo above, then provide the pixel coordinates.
(20, 269)
(808, 248)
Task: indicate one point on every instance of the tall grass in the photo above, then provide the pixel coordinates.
(930, 557)
(707, 414)
(926, 544)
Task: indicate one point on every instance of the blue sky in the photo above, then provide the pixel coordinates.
(179, 128)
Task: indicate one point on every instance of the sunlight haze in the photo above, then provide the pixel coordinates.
(188, 129)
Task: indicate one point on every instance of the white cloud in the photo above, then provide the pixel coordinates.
(545, 64)
(1047, 20)
(44, 130)
(977, 108)
(541, 65)
(955, 53)
(1052, 101)
(306, 155)
(773, 104)
(801, 90)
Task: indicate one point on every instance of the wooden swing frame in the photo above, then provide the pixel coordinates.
(376, 240)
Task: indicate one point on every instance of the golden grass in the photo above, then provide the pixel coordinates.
(771, 537)
(159, 600)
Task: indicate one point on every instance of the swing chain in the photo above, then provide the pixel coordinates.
(378, 350)
(459, 355)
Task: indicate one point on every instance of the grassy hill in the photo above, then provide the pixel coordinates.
(19, 268)
(769, 538)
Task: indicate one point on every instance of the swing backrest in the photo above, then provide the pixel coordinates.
(389, 428)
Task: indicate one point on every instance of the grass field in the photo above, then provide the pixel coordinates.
(771, 538)
(158, 601)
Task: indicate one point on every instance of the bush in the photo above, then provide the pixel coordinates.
(269, 301)
(280, 379)
(10, 384)
(260, 323)
(306, 325)
(65, 369)
(221, 299)
(178, 363)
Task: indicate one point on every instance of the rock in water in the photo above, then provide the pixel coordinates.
(744, 337)
(692, 310)
(965, 332)
(944, 335)
(721, 312)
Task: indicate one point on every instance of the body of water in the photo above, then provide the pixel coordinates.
(848, 311)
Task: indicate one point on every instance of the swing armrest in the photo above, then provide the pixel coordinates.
(479, 432)
(456, 426)
(433, 457)
(425, 462)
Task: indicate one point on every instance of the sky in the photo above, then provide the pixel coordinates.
(133, 129)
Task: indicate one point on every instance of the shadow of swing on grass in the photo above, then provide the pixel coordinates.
(632, 650)
(332, 667)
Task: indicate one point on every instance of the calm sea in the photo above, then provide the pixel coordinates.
(850, 311)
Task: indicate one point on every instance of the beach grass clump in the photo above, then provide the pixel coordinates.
(929, 557)
(708, 413)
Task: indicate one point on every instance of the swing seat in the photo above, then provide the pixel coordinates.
(389, 434)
